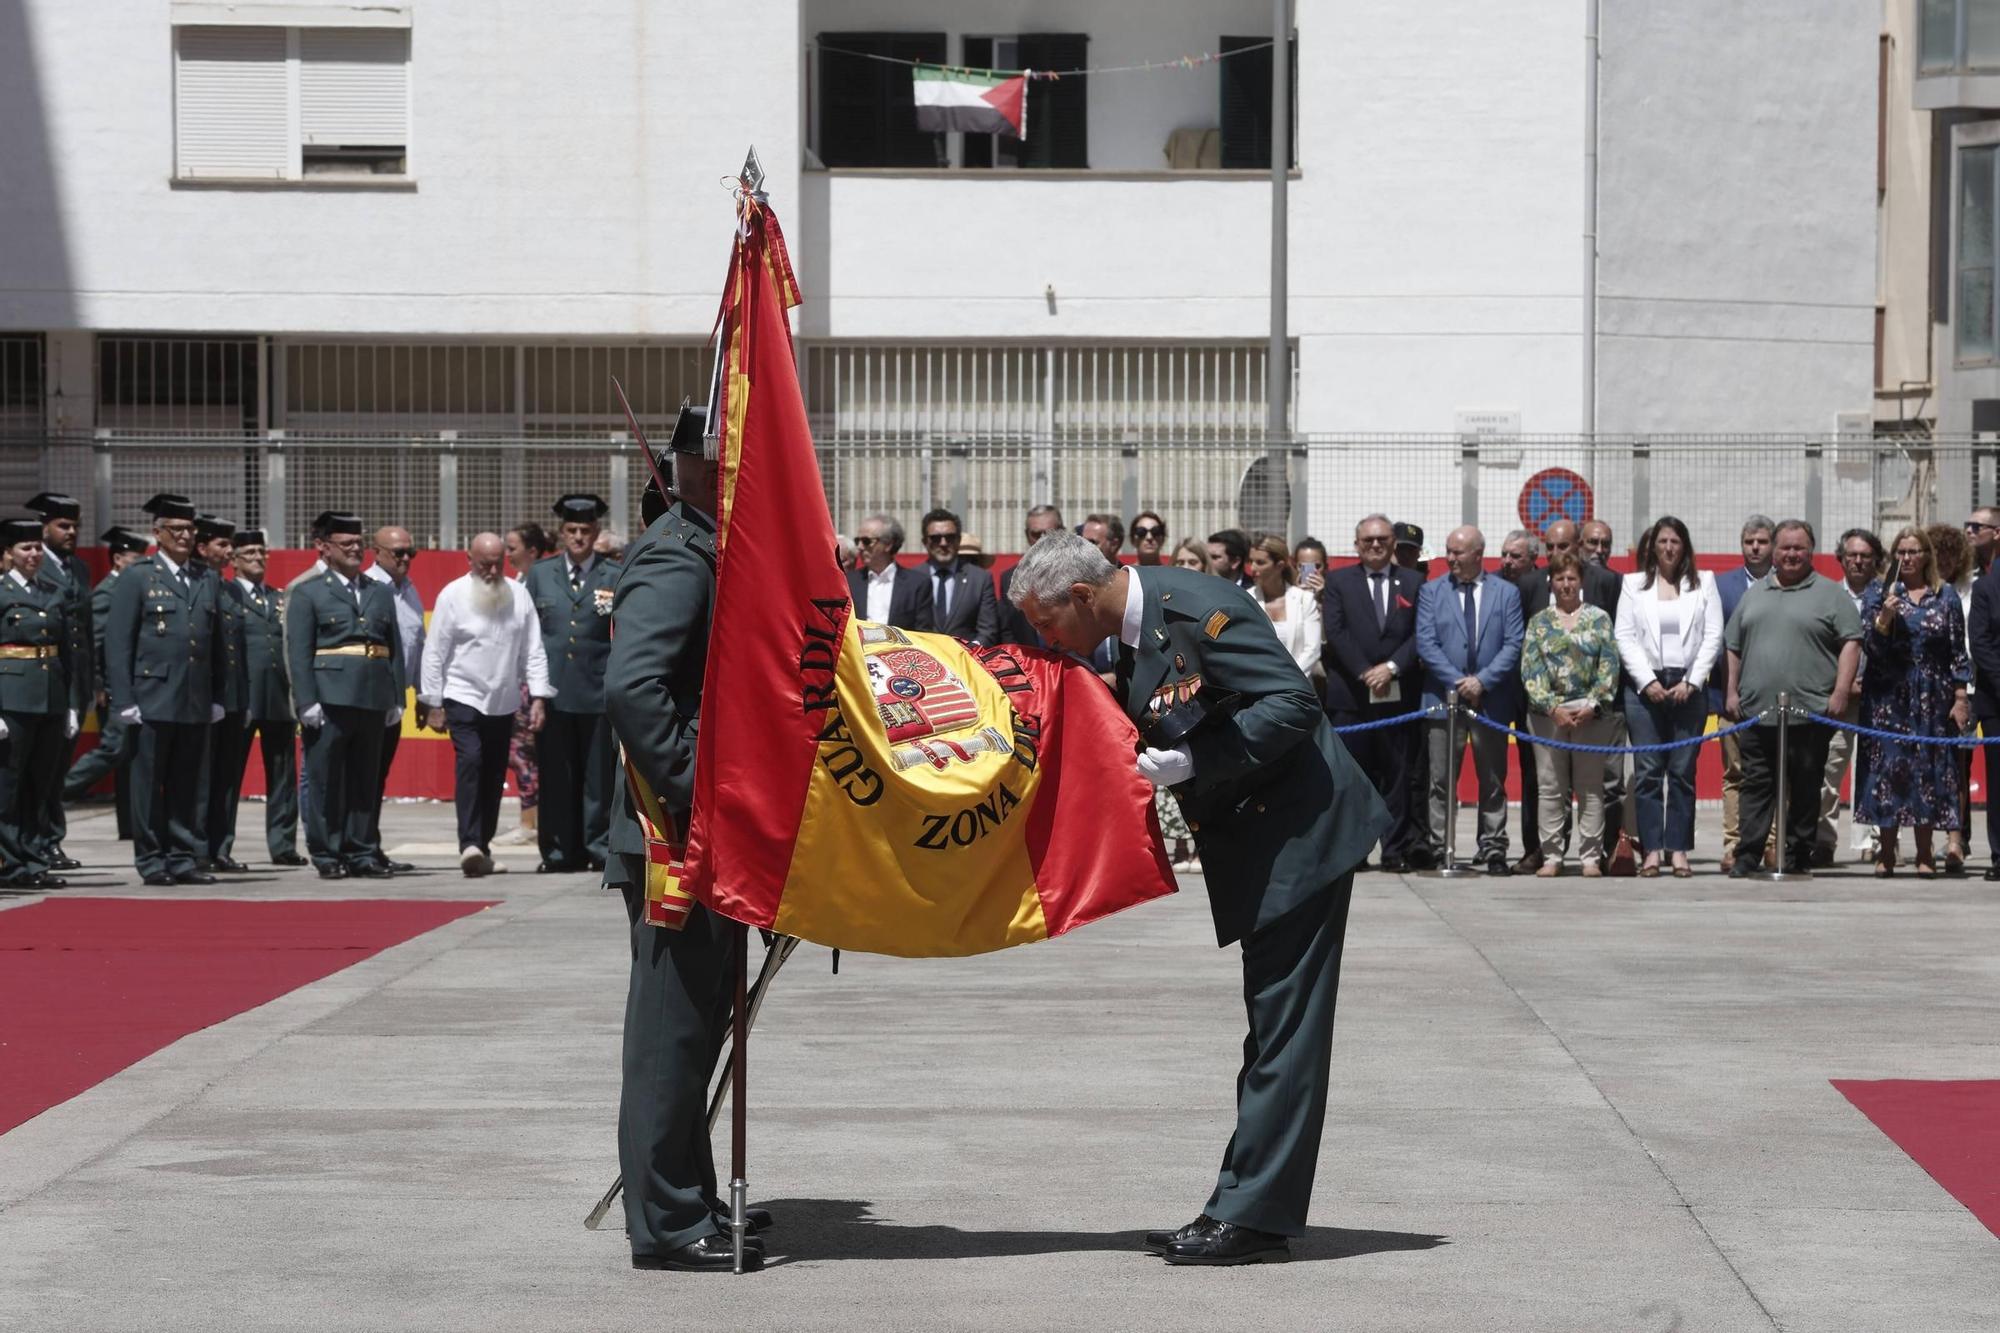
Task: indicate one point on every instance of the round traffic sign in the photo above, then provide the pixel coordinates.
(1554, 494)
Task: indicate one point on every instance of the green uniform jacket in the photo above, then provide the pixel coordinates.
(321, 613)
(234, 695)
(69, 578)
(161, 644)
(652, 683)
(576, 629)
(1278, 807)
(34, 617)
(264, 641)
(100, 616)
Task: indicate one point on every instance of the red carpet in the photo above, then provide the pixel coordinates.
(91, 985)
(1949, 1128)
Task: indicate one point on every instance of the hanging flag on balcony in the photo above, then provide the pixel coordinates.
(971, 102)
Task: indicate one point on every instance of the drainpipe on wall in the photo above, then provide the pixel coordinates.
(1590, 57)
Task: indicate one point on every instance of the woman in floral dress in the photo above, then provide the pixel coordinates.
(1914, 684)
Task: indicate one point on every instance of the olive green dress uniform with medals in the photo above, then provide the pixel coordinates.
(345, 653)
(228, 739)
(574, 747)
(164, 676)
(65, 572)
(269, 714)
(35, 705)
(1282, 815)
(677, 1006)
(113, 753)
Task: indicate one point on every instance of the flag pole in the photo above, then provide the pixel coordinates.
(739, 1187)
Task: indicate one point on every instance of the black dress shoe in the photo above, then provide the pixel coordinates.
(1822, 857)
(1421, 858)
(710, 1254)
(1226, 1243)
(550, 868)
(159, 879)
(596, 866)
(41, 879)
(1529, 864)
(399, 867)
(368, 870)
(1992, 873)
(231, 865)
(64, 861)
(1497, 865)
(204, 863)
(1157, 1241)
(194, 877)
(334, 871)
(289, 859)
(1393, 865)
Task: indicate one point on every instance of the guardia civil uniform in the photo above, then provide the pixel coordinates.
(677, 1007)
(228, 738)
(113, 752)
(1282, 816)
(164, 674)
(35, 705)
(574, 747)
(64, 573)
(345, 655)
(269, 716)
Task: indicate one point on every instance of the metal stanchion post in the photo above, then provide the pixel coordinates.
(1451, 868)
(1778, 873)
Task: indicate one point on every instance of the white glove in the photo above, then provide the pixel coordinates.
(71, 726)
(1166, 768)
(130, 716)
(395, 715)
(314, 717)
(3, 728)
(215, 712)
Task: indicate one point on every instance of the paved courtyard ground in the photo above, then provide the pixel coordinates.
(1557, 1104)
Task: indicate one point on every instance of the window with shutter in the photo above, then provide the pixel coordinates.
(1246, 102)
(1058, 111)
(232, 103)
(354, 97)
(867, 114)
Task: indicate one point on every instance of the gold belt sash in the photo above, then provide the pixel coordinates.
(354, 650)
(28, 650)
(667, 904)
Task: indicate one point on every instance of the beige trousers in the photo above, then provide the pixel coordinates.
(1563, 774)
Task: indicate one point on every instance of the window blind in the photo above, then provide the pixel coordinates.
(354, 86)
(231, 112)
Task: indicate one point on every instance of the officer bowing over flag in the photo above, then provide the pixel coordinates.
(37, 719)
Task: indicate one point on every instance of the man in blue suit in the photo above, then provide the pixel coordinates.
(1370, 613)
(1469, 631)
(1756, 540)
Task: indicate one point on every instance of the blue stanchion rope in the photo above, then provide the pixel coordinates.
(1529, 738)
(1903, 737)
(1400, 720)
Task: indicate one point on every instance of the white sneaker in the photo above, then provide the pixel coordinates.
(475, 862)
(496, 867)
(518, 836)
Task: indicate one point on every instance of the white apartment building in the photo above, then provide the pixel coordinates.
(286, 220)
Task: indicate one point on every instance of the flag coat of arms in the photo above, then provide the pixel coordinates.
(970, 101)
(863, 786)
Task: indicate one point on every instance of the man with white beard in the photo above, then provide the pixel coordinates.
(484, 640)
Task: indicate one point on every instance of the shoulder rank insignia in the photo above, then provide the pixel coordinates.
(1215, 624)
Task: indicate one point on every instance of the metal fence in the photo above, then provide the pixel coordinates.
(444, 488)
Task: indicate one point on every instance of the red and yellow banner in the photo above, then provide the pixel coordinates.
(867, 787)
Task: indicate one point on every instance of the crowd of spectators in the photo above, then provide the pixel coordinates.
(1543, 641)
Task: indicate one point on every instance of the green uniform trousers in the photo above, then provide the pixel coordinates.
(32, 766)
(677, 1014)
(1291, 973)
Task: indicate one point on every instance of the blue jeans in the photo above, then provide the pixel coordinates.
(1663, 782)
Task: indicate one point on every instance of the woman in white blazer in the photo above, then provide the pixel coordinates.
(1294, 612)
(1670, 640)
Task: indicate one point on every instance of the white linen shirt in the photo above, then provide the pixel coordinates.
(478, 660)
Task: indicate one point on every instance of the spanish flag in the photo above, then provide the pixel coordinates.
(862, 786)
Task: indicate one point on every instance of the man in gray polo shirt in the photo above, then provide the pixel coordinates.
(1795, 633)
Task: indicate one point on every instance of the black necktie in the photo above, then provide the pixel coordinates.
(1381, 599)
(1471, 630)
(943, 593)
(576, 578)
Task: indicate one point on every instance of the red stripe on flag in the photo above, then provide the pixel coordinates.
(1950, 1128)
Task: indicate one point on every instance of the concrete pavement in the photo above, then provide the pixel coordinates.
(1557, 1105)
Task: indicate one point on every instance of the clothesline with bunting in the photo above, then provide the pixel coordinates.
(1180, 63)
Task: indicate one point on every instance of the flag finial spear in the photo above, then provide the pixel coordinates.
(752, 177)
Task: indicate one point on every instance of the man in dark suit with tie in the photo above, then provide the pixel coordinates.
(1469, 632)
(962, 600)
(1282, 816)
(1370, 613)
(1014, 627)
(883, 590)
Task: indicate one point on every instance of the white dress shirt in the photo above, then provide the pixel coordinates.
(1135, 610)
(409, 618)
(480, 660)
(881, 587)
